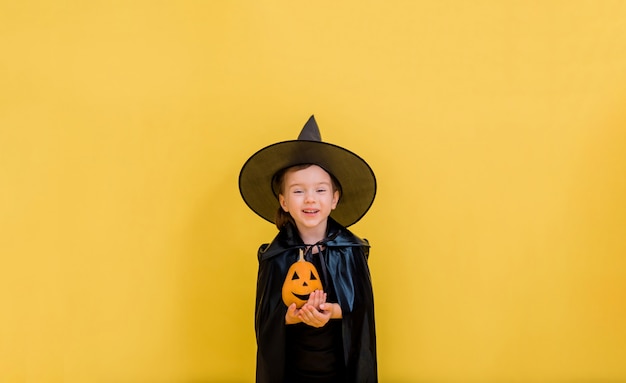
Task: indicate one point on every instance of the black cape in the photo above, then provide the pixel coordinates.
(347, 267)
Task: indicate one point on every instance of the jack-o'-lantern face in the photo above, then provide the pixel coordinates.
(302, 279)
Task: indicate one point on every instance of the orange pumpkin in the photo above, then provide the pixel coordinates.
(302, 279)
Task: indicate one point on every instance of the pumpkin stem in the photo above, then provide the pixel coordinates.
(301, 258)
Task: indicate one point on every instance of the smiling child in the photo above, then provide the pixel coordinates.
(312, 191)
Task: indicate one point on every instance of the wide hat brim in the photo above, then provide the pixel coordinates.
(357, 180)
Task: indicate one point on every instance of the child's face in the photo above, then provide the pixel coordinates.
(309, 197)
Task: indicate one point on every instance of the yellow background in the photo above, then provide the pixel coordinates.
(497, 130)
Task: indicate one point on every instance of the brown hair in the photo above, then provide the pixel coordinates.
(278, 185)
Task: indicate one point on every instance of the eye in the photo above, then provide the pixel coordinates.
(313, 276)
(322, 190)
(295, 276)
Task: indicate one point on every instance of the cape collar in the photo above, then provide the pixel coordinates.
(288, 238)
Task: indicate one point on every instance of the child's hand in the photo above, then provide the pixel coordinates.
(317, 298)
(291, 317)
(313, 313)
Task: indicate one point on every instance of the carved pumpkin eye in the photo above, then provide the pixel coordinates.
(313, 278)
(295, 276)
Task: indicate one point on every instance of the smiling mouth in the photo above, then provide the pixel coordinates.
(302, 297)
(310, 211)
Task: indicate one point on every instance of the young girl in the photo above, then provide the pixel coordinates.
(312, 191)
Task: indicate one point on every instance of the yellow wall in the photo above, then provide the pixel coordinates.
(496, 128)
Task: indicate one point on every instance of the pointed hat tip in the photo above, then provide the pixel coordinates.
(310, 131)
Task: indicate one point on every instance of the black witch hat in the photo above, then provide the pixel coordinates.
(356, 178)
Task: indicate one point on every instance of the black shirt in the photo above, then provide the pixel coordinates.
(315, 355)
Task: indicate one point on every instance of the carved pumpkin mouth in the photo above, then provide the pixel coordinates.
(302, 297)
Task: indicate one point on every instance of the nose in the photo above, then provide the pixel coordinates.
(309, 197)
